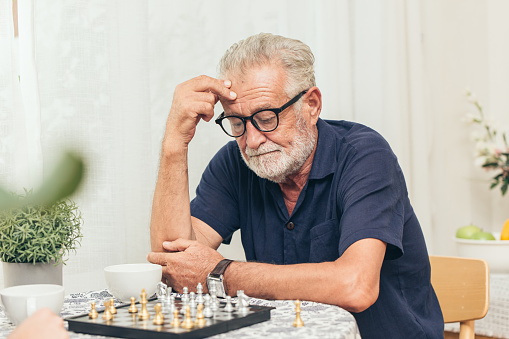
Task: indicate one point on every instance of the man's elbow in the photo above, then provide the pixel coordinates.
(358, 298)
(361, 301)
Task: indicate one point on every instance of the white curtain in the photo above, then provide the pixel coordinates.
(99, 76)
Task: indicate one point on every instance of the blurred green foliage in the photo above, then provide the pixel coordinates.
(42, 226)
(62, 182)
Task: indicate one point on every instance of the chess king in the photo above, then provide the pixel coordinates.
(322, 205)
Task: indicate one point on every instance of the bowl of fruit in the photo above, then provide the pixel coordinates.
(473, 242)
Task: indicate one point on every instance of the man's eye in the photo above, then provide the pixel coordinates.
(235, 122)
(266, 121)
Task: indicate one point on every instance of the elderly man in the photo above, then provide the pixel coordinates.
(322, 205)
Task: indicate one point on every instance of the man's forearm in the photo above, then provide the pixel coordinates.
(171, 216)
(351, 282)
(269, 281)
(313, 282)
(193, 100)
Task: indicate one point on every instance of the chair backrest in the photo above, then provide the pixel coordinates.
(462, 288)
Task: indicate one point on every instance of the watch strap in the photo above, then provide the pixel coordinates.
(221, 267)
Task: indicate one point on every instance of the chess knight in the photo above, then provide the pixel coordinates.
(322, 205)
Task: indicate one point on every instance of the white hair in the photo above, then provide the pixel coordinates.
(295, 58)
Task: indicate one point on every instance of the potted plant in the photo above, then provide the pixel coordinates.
(35, 240)
(37, 231)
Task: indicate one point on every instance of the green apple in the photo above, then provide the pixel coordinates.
(483, 236)
(466, 232)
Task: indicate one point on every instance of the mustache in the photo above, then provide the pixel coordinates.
(262, 149)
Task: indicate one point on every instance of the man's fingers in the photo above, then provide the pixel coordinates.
(164, 258)
(178, 245)
(159, 258)
(219, 87)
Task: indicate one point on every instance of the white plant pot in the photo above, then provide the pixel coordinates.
(27, 274)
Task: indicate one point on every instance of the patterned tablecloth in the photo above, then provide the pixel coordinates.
(320, 320)
(496, 322)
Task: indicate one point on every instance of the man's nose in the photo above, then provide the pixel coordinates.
(254, 138)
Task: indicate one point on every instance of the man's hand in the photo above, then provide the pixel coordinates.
(43, 324)
(186, 263)
(194, 100)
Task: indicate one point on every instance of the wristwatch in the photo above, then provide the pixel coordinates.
(215, 279)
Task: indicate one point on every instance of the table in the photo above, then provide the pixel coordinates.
(496, 322)
(320, 320)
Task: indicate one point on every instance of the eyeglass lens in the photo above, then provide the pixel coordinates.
(265, 121)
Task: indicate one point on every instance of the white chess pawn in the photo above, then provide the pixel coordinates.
(199, 292)
(228, 307)
(207, 312)
(185, 300)
(186, 294)
(171, 308)
(165, 304)
(214, 303)
(185, 303)
(192, 303)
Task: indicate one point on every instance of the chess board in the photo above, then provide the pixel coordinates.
(127, 325)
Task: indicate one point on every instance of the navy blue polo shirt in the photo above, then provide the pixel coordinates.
(355, 190)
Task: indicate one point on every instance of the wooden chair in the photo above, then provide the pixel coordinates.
(462, 288)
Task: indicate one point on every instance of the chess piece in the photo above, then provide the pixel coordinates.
(172, 304)
(200, 318)
(161, 290)
(159, 317)
(185, 301)
(165, 304)
(192, 303)
(298, 320)
(113, 310)
(132, 308)
(185, 291)
(242, 303)
(199, 294)
(107, 313)
(175, 322)
(188, 322)
(93, 313)
(214, 303)
(228, 307)
(144, 315)
(207, 311)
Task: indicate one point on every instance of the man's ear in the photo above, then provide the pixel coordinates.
(313, 99)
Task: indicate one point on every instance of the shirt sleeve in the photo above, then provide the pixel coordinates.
(216, 201)
(371, 196)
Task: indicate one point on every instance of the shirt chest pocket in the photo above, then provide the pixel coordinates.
(324, 242)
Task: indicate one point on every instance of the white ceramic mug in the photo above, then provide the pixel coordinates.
(22, 301)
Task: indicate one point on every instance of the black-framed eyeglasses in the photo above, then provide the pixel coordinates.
(265, 120)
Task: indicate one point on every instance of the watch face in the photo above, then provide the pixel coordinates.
(216, 284)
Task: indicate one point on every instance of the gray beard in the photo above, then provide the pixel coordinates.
(270, 161)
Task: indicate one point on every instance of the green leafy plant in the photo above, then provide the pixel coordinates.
(36, 233)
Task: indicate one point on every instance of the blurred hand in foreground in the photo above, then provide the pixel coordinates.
(43, 324)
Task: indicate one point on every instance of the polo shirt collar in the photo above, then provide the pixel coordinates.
(324, 161)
